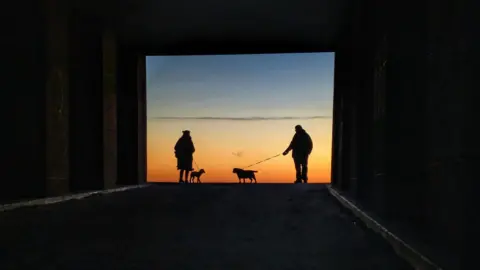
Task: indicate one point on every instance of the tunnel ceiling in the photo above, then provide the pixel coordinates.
(222, 26)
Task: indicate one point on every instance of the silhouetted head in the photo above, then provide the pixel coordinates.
(298, 128)
(186, 133)
(202, 171)
(236, 170)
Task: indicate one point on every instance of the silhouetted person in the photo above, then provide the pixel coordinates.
(301, 147)
(184, 150)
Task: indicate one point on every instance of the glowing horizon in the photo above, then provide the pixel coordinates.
(240, 109)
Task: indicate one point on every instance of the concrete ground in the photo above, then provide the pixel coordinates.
(194, 227)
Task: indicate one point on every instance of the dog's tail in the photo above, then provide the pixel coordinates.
(254, 171)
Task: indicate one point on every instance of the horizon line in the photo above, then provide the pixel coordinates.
(253, 118)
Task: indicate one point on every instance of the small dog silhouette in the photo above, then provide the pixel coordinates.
(244, 174)
(197, 175)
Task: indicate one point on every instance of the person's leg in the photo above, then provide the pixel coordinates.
(181, 176)
(305, 169)
(188, 167)
(304, 172)
(297, 170)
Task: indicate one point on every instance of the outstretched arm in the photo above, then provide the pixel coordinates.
(290, 146)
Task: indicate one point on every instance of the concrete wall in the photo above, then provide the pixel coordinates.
(23, 107)
(131, 100)
(453, 139)
(86, 69)
(62, 105)
(405, 142)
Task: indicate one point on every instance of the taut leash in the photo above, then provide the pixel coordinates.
(263, 161)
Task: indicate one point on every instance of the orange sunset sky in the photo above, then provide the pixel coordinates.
(240, 109)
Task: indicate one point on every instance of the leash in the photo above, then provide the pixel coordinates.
(261, 161)
(198, 168)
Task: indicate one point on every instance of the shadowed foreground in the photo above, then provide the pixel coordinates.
(194, 227)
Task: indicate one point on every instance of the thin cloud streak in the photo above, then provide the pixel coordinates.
(208, 118)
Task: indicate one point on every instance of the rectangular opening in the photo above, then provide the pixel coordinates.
(240, 109)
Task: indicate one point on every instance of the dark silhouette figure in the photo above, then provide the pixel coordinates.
(184, 150)
(301, 146)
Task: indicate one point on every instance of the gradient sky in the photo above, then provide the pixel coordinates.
(240, 109)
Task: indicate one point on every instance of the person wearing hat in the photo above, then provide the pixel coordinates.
(184, 150)
(301, 146)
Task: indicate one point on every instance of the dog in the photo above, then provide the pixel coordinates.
(244, 174)
(197, 175)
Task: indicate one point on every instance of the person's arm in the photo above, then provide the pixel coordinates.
(193, 148)
(177, 145)
(290, 146)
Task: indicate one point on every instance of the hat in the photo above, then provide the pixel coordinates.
(186, 132)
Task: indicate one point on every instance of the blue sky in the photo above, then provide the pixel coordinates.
(262, 85)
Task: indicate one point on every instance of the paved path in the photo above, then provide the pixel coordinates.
(194, 227)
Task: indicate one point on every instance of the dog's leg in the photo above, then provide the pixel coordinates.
(254, 178)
